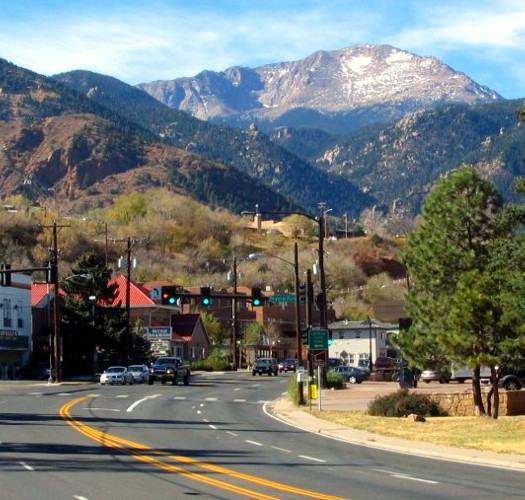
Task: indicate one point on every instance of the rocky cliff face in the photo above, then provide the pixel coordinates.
(381, 80)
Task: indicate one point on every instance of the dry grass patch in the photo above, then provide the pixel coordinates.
(504, 435)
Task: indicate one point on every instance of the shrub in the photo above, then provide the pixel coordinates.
(293, 391)
(403, 403)
(202, 366)
(334, 381)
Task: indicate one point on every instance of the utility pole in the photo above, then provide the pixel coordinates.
(127, 340)
(299, 344)
(235, 360)
(130, 243)
(57, 348)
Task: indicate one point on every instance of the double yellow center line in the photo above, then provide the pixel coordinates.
(165, 461)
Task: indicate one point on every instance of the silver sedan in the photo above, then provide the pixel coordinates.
(116, 375)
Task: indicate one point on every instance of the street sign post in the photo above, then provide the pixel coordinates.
(318, 339)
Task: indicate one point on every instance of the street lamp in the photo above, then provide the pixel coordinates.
(320, 220)
(235, 361)
(370, 364)
(295, 265)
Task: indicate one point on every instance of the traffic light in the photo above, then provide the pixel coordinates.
(302, 294)
(310, 293)
(206, 296)
(6, 275)
(405, 323)
(168, 295)
(51, 273)
(330, 339)
(304, 336)
(257, 297)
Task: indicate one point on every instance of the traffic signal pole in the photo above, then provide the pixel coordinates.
(235, 360)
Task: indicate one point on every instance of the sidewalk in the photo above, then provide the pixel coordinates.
(357, 398)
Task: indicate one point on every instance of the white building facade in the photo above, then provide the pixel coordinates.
(15, 326)
(355, 341)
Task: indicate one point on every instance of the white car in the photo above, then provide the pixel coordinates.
(139, 372)
(116, 375)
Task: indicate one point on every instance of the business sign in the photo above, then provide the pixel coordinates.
(159, 332)
(318, 339)
(10, 339)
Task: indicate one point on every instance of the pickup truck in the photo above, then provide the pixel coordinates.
(169, 369)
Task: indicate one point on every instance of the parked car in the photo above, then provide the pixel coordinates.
(140, 373)
(116, 375)
(265, 365)
(288, 365)
(512, 379)
(440, 375)
(351, 374)
(384, 363)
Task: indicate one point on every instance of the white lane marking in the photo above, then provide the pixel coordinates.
(254, 442)
(101, 409)
(239, 400)
(400, 475)
(122, 396)
(211, 399)
(136, 403)
(198, 412)
(78, 497)
(306, 457)
(237, 389)
(411, 478)
(213, 426)
(35, 393)
(25, 466)
(232, 433)
(179, 398)
(281, 449)
(263, 401)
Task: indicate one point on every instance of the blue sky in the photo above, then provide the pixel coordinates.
(141, 41)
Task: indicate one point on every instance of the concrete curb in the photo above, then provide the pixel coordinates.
(283, 410)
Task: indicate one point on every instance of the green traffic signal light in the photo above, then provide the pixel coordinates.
(206, 296)
(257, 297)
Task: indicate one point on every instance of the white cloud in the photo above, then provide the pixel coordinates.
(145, 41)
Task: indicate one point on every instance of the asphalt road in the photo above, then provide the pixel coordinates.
(212, 439)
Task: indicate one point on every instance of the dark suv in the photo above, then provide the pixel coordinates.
(512, 379)
(265, 365)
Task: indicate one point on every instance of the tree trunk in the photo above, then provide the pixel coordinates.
(479, 408)
(494, 379)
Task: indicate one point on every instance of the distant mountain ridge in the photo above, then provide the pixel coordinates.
(337, 91)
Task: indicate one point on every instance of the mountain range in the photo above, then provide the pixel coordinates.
(337, 91)
(405, 121)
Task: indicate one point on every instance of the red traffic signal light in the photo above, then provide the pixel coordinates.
(168, 295)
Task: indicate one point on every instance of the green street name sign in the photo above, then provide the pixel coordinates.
(281, 298)
(318, 339)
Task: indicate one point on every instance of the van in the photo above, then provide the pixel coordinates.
(462, 373)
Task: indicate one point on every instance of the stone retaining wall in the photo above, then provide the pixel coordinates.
(461, 404)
